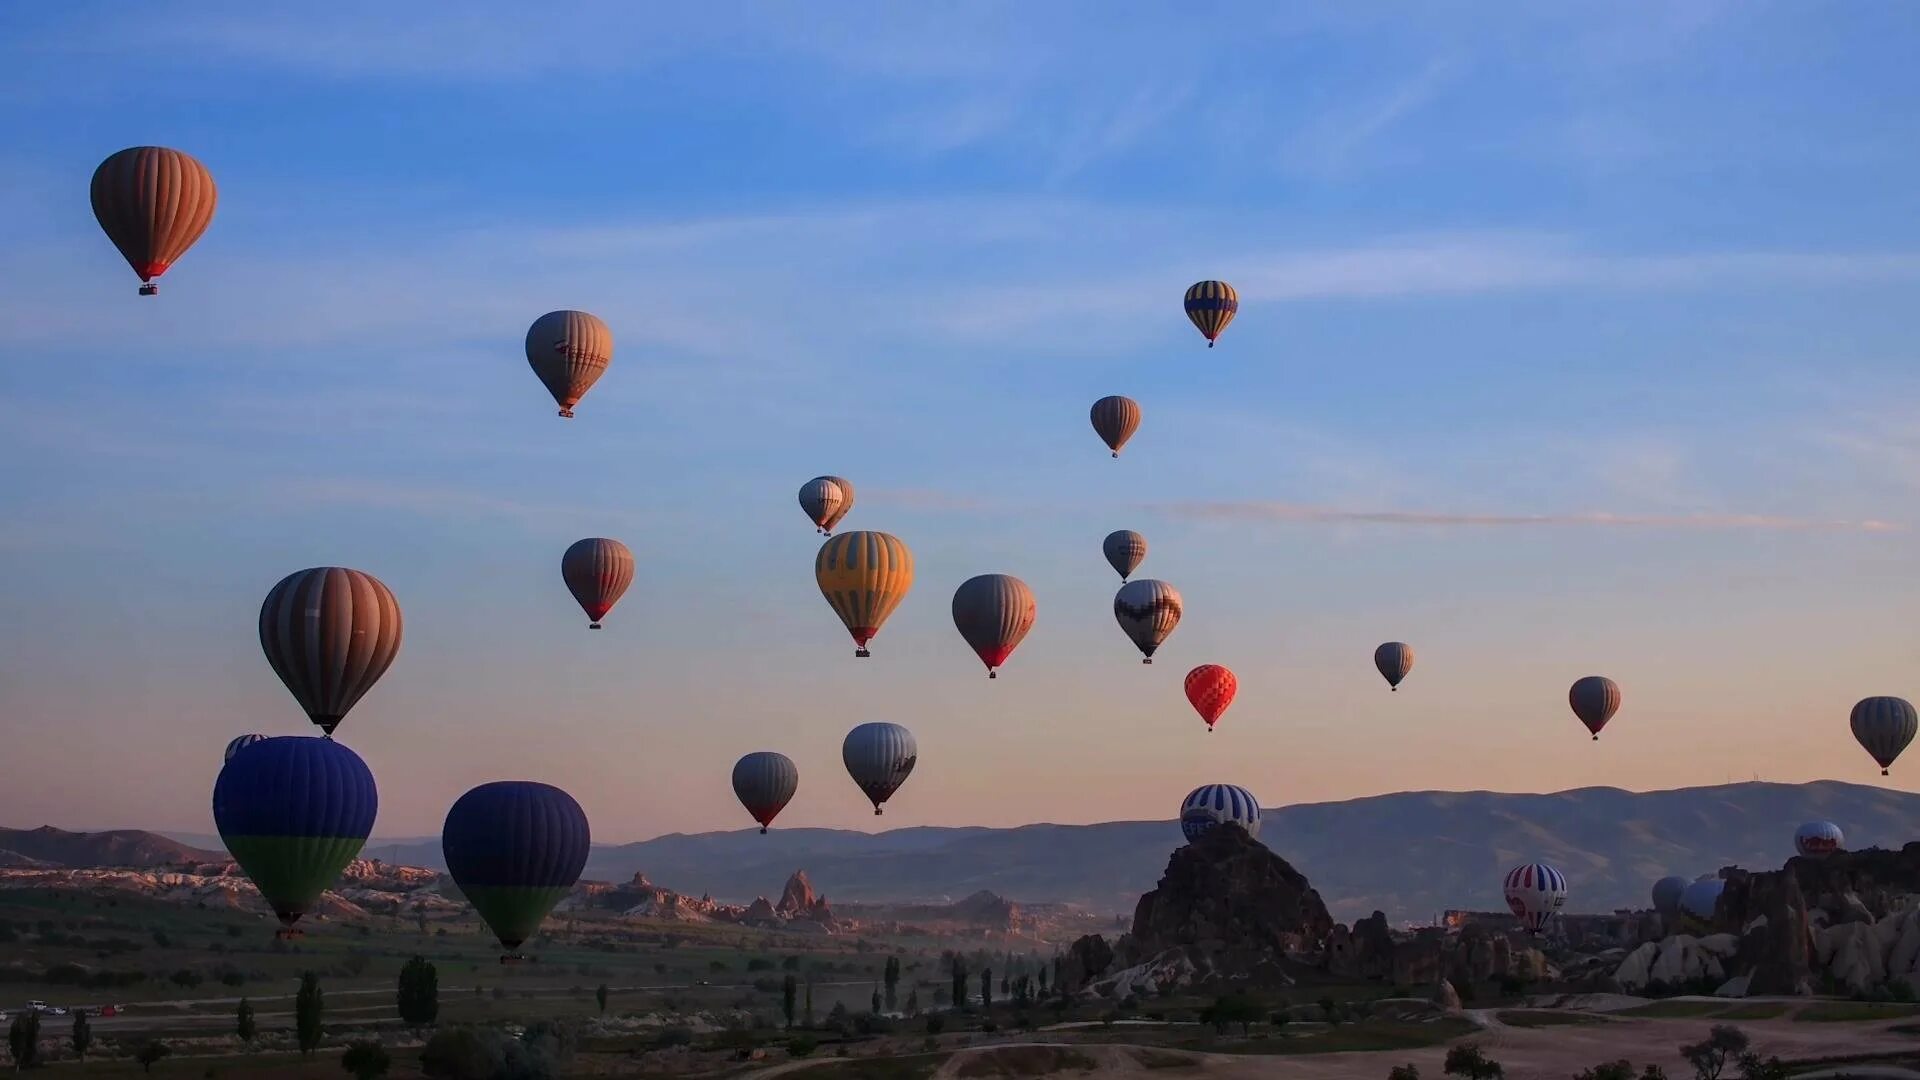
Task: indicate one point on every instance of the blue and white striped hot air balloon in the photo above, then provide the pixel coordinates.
(1535, 894)
(1212, 804)
(242, 741)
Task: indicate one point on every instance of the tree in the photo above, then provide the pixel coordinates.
(366, 1060)
(1653, 1072)
(986, 988)
(1753, 1068)
(959, 983)
(892, 977)
(913, 1002)
(419, 996)
(807, 1015)
(243, 1024)
(1043, 980)
(600, 995)
(1230, 1009)
(1609, 1070)
(876, 1001)
(151, 1053)
(307, 1008)
(936, 1023)
(1404, 1072)
(789, 989)
(1708, 1057)
(82, 1034)
(23, 1038)
(1468, 1060)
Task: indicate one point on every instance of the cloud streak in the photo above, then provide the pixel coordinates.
(1301, 513)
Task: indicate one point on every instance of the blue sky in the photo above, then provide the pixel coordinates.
(1573, 340)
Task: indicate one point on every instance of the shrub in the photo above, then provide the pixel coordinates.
(802, 1045)
(936, 1023)
(1404, 1072)
(366, 1060)
(1609, 1070)
(1468, 1060)
(151, 1053)
(673, 1036)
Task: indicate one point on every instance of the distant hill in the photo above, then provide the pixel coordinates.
(50, 847)
(1409, 854)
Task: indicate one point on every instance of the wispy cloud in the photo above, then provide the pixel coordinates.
(434, 501)
(1329, 145)
(1284, 512)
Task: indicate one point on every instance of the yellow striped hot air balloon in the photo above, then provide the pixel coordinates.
(1212, 305)
(864, 575)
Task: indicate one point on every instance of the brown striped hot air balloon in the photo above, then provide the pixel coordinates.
(1211, 305)
(569, 351)
(153, 203)
(1115, 419)
(330, 633)
(597, 572)
(993, 612)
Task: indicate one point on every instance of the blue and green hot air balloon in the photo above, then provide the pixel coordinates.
(294, 811)
(515, 848)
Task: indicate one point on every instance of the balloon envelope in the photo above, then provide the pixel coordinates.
(293, 812)
(237, 744)
(764, 782)
(1594, 700)
(1214, 804)
(569, 351)
(1210, 689)
(1393, 660)
(993, 612)
(1667, 892)
(1125, 551)
(1115, 419)
(1702, 897)
(879, 757)
(825, 500)
(515, 848)
(1535, 892)
(1818, 838)
(1211, 305)
(864, 576)
(597, 572)
(1147, 610)
(1883, 726)
(329, 633)
(153, 203)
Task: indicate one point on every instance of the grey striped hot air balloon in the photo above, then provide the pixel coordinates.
(879, 757)
(329, 633)
(993, 612)
(1115, 419)
(765, 782)
(597, 572)
(1667, 892)
(826, 499)
(1594, 700)
(1884, 726)
(1393, 660)
(1147, 610)
(1125, 551)
(569, 351)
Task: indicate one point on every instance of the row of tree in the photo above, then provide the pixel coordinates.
(1724, 1046)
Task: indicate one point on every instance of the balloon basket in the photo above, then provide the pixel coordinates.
(861, 653)
(593, 626)
(1147, 660)
(566, 413)
(149, 289)
(993, 674)
(512, 959)
(289, 933)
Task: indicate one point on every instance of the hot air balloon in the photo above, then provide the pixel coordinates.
(597, 572)
(1211, 305)
(1666, 894)
(330, 633)
(1115, 419)
(764, 782)
(879, 757)
(1125, 551)
(826, 499)
(1535, 893)
(1818, 838)
(242, 742)
(1210, 687)
(153, 203)
(1394, 660)
(993, 612)
(1884, 726)
(1702, 897)
(294, 811)
(569, 351)
(1212, 804)
(1147, 610)
(864, 575)
(1594, 699)
(515, 848)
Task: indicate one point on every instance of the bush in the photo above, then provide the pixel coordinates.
(987, 1025)
(1404, 1072)
(366, 1060)
(186, 978)
(936, 1023)
(802, 1045)
(673, 1036)
(1609, 1070)
(1724, 1043)
(151, 1053)
(1468, 1060)
(1281, 1019)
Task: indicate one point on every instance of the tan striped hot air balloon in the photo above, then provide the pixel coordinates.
(864, 575)
(1115, 419)
(329, 633)
(569, 351)
(153, 203)
(1211, 305)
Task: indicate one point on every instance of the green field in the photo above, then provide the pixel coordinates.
(1845, 1011)
(1678, 1010)
(1533, 1018)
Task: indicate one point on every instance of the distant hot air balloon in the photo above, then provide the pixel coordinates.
(864, 575)
(826, 499)
(1115, 419)
(241, 742)
(879, 757)
(1211, 305)
(1666, 894)
(1535, 893)
(597, 572)
(329, 633)
(515, 848)
(153, 203)
(1594, 699)
(1394, 660)
(993, 612)
(1884, 726)
(1215, 804)
(1147, 610)
(1210, 688)
(569, 351)
(294, 811)
(1703, 897)
(1125, 551)
(1818, 838)
(764, 782)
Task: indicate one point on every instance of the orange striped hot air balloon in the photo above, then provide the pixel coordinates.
(1115, 419)
(569, 351)
(1210, 689)
(153, 203)
(864, 575)
(1211, 305)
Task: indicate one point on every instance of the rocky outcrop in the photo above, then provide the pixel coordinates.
(760, 913)
(1365, 952)
(1237, 909)
(797, 901)
(1086, 959)
(1678, 961)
